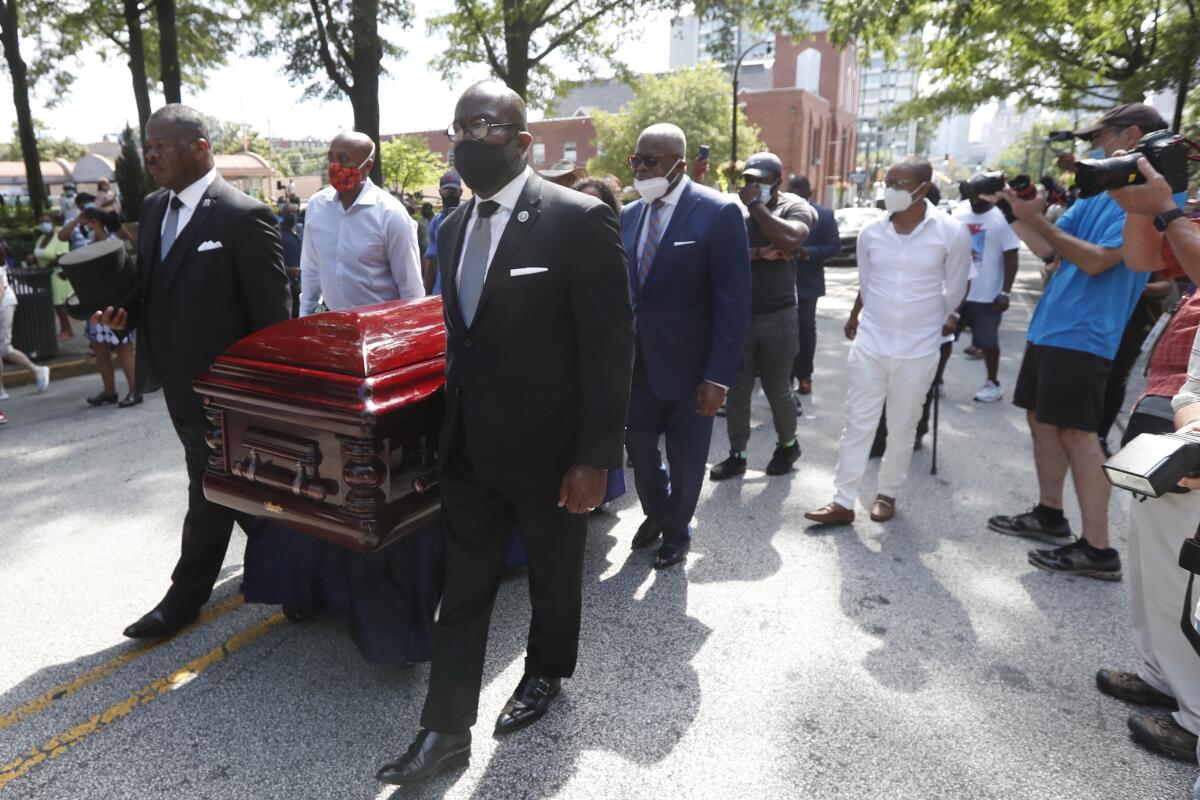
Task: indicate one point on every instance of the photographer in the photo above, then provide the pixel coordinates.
(1072, 339)
(1156, 235)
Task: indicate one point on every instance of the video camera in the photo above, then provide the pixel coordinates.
(1166, 151)
(981, 183)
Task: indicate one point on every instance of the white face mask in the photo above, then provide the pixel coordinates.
(652, 189)
(897, 200)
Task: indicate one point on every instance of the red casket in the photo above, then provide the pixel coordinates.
(329, 423)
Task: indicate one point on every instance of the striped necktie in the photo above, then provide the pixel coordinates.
(650, 246)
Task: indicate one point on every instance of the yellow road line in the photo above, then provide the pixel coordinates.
(59, 745)
(101, 671)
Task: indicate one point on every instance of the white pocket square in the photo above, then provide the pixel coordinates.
(690, 241)
(209, 245)
(527, 271)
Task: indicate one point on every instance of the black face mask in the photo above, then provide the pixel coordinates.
(980, 206)
(483, 166)
(450, 199)
(289, 221)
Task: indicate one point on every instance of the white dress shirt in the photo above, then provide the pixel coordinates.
(360, 255)
(190, 197)
(507, 199)
(911, 284)
(670, 201)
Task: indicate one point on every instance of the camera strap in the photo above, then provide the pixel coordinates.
(1189, 559)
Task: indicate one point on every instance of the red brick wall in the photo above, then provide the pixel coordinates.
(552, 134)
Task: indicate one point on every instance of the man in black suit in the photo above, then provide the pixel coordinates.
(210, 272)
(539, 354)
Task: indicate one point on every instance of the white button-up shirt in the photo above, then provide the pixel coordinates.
(911, 284)
(190, 197)
(507, 199)
(359, 255)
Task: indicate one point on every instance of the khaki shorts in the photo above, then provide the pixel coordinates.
(6, 323)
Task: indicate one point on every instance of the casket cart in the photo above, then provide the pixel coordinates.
(329, 423)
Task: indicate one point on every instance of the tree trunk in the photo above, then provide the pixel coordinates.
(20, 85)
(1185, 79)
(137, 63)
(365, 65)
(168, 47)
(516, 54)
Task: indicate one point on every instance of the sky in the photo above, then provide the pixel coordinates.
(412, 97)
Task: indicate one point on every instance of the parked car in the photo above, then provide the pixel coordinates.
(850, 221)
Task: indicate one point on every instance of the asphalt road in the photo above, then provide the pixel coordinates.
(919, 659)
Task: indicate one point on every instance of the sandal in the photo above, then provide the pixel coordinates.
(101, 399)
(130, 399)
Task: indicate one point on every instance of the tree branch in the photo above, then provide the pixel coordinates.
(501, 70)
(557, 41)
(337, 41)
(331, 68)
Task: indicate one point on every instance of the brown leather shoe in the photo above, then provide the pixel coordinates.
(831, 514)
(1162, 734)
(883, 509)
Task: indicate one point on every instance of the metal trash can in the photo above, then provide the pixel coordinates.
(34, 327)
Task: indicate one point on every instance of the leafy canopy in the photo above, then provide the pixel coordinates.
(1066, 55)
(48, 146)
(409, 164)
(697, 100)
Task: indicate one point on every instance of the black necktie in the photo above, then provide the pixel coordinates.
(171, 229)
(475, 260)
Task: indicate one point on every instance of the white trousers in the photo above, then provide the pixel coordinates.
(872, 380)
(1157, 529)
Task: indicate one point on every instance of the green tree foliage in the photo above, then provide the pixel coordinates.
(234, 137)
(131, 176)
(334, 48)
(697, 100)
(524, 42)
(409, 164)
(1084, 54)
(49, 147)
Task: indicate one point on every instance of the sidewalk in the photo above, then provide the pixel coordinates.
(74, 358)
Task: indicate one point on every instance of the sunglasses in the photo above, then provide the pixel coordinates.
(637, 159)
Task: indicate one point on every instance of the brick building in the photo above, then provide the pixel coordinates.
(805, 107)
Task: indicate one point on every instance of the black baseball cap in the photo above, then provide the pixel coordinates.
(763, 165)
(1145, 117)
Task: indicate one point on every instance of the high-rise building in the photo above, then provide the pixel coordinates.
(885, 87)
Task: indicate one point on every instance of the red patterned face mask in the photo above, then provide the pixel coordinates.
(344, 178)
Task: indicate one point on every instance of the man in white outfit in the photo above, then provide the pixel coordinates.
(913, 268)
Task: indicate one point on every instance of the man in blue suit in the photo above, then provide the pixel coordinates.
(823, 242)
(689, 274)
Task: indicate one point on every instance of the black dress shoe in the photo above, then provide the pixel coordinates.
(156, 625)
(527, 704)
(428, 755)
(647, 534)
(671, 554)
(296, 613)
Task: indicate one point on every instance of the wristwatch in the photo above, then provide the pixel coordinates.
(1161, 221)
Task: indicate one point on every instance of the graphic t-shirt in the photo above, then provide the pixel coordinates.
(991, 238)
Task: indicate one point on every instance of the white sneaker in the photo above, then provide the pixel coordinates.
(42, 376)
(990, 393)
(3, 395)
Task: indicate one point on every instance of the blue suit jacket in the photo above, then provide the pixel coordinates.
(693, 312)
(823, 242)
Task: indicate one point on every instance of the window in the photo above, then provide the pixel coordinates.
(808, 70)
(539, 152)
(816, 146)
(569, 151)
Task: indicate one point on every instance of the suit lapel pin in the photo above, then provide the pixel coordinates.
(207, 202)
(523, 216)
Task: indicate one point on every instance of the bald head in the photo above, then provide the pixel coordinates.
(357, 146)
(492, 101)
(917, 168)
(664, 138)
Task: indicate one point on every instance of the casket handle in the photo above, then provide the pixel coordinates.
(298, 483)
(426, 482)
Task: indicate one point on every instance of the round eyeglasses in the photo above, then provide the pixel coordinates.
(477, 130)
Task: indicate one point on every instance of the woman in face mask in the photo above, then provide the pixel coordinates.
(46, 252)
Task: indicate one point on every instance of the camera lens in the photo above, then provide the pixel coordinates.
(1096, 175)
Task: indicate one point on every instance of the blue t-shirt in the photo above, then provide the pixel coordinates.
(1089, 312)
(431, 250)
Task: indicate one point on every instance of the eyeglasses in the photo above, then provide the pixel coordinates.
(637, 159)
(903, 183)
(477, 130)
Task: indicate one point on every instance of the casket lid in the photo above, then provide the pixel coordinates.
(361, 342)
